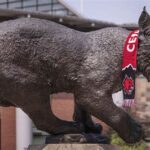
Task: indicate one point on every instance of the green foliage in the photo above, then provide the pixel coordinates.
(115, 139)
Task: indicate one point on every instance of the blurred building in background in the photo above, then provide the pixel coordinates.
(143, 99)
(142, 111)
(55, 7)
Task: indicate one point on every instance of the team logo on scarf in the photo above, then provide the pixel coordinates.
(128, 85)
(129, 66)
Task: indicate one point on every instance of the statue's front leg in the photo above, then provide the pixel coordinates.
(85, 118)
(104, 109)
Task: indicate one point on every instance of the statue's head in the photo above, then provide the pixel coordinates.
(144, 47)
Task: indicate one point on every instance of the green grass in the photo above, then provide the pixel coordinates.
(115, 139)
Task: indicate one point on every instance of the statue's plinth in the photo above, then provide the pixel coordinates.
(75, 142)
(77, 138)
(74, 147)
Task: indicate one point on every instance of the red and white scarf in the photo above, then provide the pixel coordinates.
(129, 66)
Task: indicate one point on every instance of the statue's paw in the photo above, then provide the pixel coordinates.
(73, 138)
(77, 127)
(95, 128)
(135, 133)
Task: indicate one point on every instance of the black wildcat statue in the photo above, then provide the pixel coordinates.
(39, 58)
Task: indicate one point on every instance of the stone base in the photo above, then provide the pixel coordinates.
(78, 138)
(74, 147)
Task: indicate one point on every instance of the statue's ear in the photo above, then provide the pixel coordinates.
(144, 20)
(144, 23)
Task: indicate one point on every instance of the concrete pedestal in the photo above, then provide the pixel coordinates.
(74, 147)
(89, 138)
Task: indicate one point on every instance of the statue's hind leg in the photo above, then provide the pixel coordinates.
(85, 118)
(40, 112)
(5, 103)
(26, 90)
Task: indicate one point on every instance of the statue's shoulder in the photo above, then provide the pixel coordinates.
(109, 34)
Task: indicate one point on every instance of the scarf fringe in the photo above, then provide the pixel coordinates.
(129, 103)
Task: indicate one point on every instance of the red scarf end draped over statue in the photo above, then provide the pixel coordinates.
(129, 66)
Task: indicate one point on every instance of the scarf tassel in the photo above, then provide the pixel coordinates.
(129, 103)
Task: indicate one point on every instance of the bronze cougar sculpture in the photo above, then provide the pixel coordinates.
(39, 58)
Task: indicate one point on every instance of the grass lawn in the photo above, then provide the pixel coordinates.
(115, 139)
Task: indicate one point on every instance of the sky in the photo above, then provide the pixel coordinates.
(116, 11)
